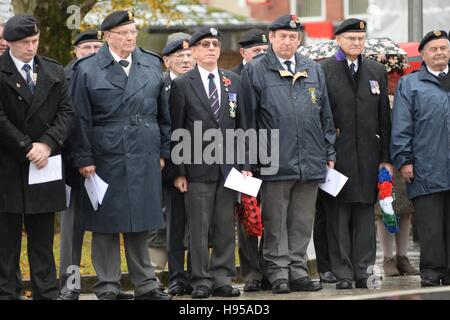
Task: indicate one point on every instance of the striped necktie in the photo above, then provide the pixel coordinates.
(213, 97)
(27, 68)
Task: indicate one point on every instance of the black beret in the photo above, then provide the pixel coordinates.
(205, 32)
(286, 22)
(174, 46)
(19, 27)
(116, 19)
(88, 36)
(253, 37)
(351, 25)
(432, 35)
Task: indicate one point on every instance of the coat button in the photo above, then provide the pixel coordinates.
(20, 98)
(125, 128)
(128, 155)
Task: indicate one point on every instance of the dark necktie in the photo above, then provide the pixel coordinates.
(288, 65)
(213, 97)
(27, 68)
(124, 63)
(352, 69)
(442, 75)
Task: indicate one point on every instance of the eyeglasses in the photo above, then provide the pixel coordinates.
(125, 33)
(354, 39)
(207, 44)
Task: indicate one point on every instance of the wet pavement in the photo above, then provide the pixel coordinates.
(385, 288)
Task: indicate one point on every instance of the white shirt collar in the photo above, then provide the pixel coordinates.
(436, 73)
(19, 65)
(117, 59)
(204, 75)
(292, 59)
(356, 62)
(172, 75)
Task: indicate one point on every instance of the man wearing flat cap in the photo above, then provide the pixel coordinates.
(357, 88)
(168, 245)
(206, 98)
(285, 91)
(421, 152)
(252, 42)
(122, 135)
(35, 120)
(72, 230)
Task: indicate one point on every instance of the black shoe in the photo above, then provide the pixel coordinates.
(177, 289)
(226, 291)
(155, 294)
(69, 295)
(201, 292)
(125, 296)
(107, 296)
(265, 284)
(327, 277)
(252, 286)
(361, 283)
(280, 286)
(344, 284)
(305, 284)
(427, 282)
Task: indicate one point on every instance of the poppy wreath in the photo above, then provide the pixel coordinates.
(248, 213)
(386, 198)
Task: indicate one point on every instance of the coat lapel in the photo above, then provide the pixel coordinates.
(198, 88)
(44, 85)
(15, 80)
(115, 73)
(137, 77)
(224, 104)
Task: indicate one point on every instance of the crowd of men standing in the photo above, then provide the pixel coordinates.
(111, 112)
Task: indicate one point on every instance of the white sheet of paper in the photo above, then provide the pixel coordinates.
(68, 192)
(96, 189)
(101, 187)
(334, 182)
(51, 172)
(248, 185)
(89, 184)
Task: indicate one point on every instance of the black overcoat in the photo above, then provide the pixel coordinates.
(45, 116)
(362, 119)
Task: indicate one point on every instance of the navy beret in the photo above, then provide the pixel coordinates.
(88, 36)
(351, 25)
(174, 46)
(253, 37)
(432, 35)
(286, 22)
(205, 32)
(19, 27)
(116, 19)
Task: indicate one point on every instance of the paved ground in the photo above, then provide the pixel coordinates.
(389, 287)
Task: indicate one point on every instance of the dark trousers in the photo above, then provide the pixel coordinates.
(250, 255)
(432, 218)
(40, 233)
(176, 233)
(72, 233)
(210, 206)
(351, 239)
(320, 236)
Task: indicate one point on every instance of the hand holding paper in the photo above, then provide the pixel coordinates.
(334, 182)
(51, 172)
(248, 185)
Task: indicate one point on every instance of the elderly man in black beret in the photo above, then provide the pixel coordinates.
(252, 43)
(286, 91)
(207, 95)
(421, 152)
(35, 120)
(357, 88)
(122, 135)
(168, 245)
